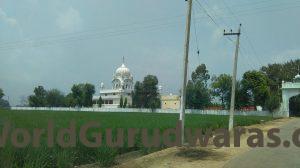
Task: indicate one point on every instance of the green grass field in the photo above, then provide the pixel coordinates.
(43, 156)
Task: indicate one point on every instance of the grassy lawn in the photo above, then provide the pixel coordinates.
(68, 157)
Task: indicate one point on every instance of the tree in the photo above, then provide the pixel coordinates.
(55, 98)
(125, 103)
(77, 94)
(137, 95)
(197, 95)
(273, 102)
(256, 83)
(277, 73)
(221, 88)
(1, 93)
(83, 94)
(197, 92)
(100, 102)
(121, 102)
(70, 100)
(88, 92)
(201, 74)
(4, 103)
(150, 97)
(39, 97)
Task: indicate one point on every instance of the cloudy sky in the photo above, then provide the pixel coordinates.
(57, 43)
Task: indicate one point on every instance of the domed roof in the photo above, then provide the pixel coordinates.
(123, 71)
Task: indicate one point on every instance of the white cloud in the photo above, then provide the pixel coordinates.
(9, 20)
(69, 20)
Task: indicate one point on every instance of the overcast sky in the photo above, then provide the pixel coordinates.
(57, 43)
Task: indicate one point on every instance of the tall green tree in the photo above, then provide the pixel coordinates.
(201, 74)
(197, 95)
(1, 93)
(55, 98)
(3, 103)
(88, 92)
(100, 102)
(197, 92)
(125, 102)
(137, 95)
(39, 97)
(121, 102)
(221, 88)
(256, 83)
(83, 94)
(77, 94)
(151, 97)
(70, 101)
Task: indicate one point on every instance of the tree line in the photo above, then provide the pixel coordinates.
(260, 87)
(80, 96)
(256, 88)
(3, 103)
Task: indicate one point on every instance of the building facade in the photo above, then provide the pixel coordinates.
(122, 87)
(289, 89)
(170, 102)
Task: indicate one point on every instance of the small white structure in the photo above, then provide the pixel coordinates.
(122, 86)
(289, 89)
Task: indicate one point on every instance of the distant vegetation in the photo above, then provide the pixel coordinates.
(3, 103)
(69, 157)
(256, 88)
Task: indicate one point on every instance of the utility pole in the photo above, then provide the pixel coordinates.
(233, 86)
(185, 65)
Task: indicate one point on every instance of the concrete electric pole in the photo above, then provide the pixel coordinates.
(232, 102)
(185, 65)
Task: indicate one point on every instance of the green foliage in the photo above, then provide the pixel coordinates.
(200, 74)
(55, 98)
(150, 92)
(273, 102)
(197, 95)
(197, 92)
(1, 93)
(125, 103)
(256, 83)
(137, 95)
(3, 103)
(83, 94)
(39, 97)
(100, 102)
(70, 100)
(121, 102)
(277, 73)
(146, 94)
(70, 157)
(221, 88)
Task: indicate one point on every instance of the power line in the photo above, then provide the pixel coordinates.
(195, 31)
(247, 38)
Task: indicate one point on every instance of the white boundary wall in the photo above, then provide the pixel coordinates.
(126, 110)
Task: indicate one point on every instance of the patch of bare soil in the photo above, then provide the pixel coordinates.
(191, 157)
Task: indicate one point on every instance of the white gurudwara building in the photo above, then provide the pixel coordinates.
(122, 86)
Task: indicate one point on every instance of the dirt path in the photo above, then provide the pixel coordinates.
(178, 157)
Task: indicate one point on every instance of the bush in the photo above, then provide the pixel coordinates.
(272, 102)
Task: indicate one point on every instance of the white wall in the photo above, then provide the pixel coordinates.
(188, 111)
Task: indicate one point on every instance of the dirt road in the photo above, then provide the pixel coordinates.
(211, 157)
